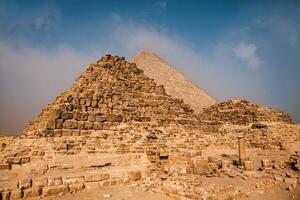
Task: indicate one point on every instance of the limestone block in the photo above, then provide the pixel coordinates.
(248, 165)
(70, 124)
(96, 177)
(97, 126)
(66, 115)
(57, 132)
(59, 123)
(66, 132)
(77, 115)
(80, 125)
(75, 132)
(88, 125)
(92, 117)
(73, 180)
(84, 116)
(25, 160)
(91, 185)
(55, 181)
(76, 187)
(54, 190)
(13, 160)
(5, 166)
(40, 182)
(100, 118)
(201, 166)
(32, 192)
(266, 164)
(135, 175)
(25, 183)
(16, 194)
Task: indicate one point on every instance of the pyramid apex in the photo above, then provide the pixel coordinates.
(146, 51)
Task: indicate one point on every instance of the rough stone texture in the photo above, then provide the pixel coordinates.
(115, 127)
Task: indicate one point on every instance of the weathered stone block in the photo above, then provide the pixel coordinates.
(100, 118)
(55, 190)
(25, 183)
(13, 160)
(55, 181)
(88, 125)
(91, 117)
(76, 187)
(70, 124)
(59, 123)
(5, 166)
(40, 182)
(73, 180)
(66, 115)
(134, 176)
(96, 177)
(97, 126)
(80, 125)
(248, 165)
(77, 115)
(75, 132)
(32, 192)
(66, 132)
(57, 132)
(25, 160)
(16, 194)
(84, 116)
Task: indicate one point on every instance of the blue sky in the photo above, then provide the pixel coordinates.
(232, 49)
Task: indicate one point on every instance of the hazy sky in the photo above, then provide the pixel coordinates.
(232, 49)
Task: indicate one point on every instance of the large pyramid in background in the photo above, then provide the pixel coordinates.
(110, 92)
(175, 83)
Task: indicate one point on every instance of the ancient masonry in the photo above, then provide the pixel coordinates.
(115, 126)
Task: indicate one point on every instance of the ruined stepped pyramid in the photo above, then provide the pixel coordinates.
(175, 83)
(109, 93)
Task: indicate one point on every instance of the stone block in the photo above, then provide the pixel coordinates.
(77, 115)
(57, 132)
(75, 132)
(5, 166)
(55, 181)
(248, 165)
(32, 192)
(97, 126)
(73, 180)
(55, 190)
(266, 164)
(40, 182)
(88, 125)
(25, 184)
(59, 123)
(66, 115)
(76, 187)
(91, 185)
(80, 125)
(70, 124)
(16, 194)
(201, 166)
(25, 160)
(13, 160)
(96, 177)
(135, 175)
(66, 132)
(84, 116)
(100, 118)
(91, 117)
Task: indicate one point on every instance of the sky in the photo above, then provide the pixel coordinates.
(231, 49)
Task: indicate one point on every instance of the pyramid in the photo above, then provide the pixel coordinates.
(109, 93)
(175, 83)
(242, 112)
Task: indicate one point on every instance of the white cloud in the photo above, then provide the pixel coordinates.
(247, 54)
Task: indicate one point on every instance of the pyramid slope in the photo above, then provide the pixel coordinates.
(175, 83)
(242, 112)
(110, 92)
